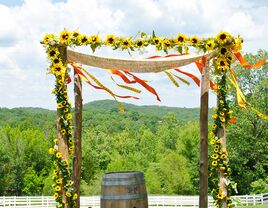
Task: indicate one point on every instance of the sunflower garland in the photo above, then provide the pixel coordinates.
(224, 43)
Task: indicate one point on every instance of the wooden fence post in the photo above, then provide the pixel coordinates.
(77, 160)
(203, 166)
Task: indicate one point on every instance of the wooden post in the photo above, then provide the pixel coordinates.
(223, 181)
(203, 171)
(77, 160)
(62, 141)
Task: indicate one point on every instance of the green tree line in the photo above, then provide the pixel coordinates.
(162, 142)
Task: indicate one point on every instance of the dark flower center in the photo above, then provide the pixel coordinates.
(52, 53)
(223, 51)
(167, 44)
(94, 39)
(58, 69)
(125, 43)
(222, 36)
(194, 40)
(180, 39)
(65, 36)
(75, 34)
(84, 39)
(222, 63)
(110, 40)
(56, 61)
(156, 41)
(139, 43)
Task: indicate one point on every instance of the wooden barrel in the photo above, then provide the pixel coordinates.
(123, 190)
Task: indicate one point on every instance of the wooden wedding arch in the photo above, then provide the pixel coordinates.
(215, 57)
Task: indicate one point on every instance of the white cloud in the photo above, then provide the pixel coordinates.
(23, 62)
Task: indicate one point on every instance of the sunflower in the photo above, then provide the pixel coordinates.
(59, 105)
(238, 44)
(70, 132)
(126, 43)
(58, 69)
(52, 52)
(210, 44)
(216, 149)
(48, 38)
(110, 40)
(223, 37)
(71, 141)
(181, 39)
(56, 195)
(57, 188)
(66, 110)
(194, 40)
(56, 172)
(94, 39)
(59, 181)
(84, 40)
(166, 44)
(68, 194)
(52, 151)
(222, 168)
(56, 60)
(157, 41)
(69, 183)
(224, 156)
(223, 51)
(213, 141)
(223, 150)
(139, 43)
(69, 116)
(71, 148)
(75, 196)
(222, 119)
(214, 163)
(222, 64)
(214, 126)
(76, 36)
(214, 116)
(59, 155)
(220, 196)
(63, 131)
(215, 156)
(65, 37)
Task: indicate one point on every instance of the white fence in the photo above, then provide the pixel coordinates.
(154, 201)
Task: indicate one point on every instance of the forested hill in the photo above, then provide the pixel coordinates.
(94, 110)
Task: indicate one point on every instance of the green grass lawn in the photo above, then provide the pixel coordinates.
(256, 206)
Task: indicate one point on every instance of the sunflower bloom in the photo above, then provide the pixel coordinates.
(223, 37)
(215, 156)
(214, 116)
(126, 43)
(222, 64)
(53, 52)
(214, 163)
(56, 195)
(223, 51)
(224, 156)
(94, 39)
(59, 181)
(71, 148)
(68, 194)
(194, 40)
(48, 38)
(166, 44)
(210, 45)
(238, 44)
(139, 43)
(75, 196)
(84, 40)
(52, 151)
(110, 40)
(181, 39)
(65, 37)
(59, 155)
(57, 188)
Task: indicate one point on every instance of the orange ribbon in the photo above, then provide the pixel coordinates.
(193, 77)
(167, 56)
(143, 83)
(200, 67)
(245, 64)
(101, 87)
(123, 77)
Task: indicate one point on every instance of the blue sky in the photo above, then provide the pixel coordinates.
(23, 79)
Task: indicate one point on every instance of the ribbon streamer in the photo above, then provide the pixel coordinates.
(200, 67)
(126, 87)
(123, 77)
(193, 77)
(172, 79)
(245, 64)
(143, 83)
